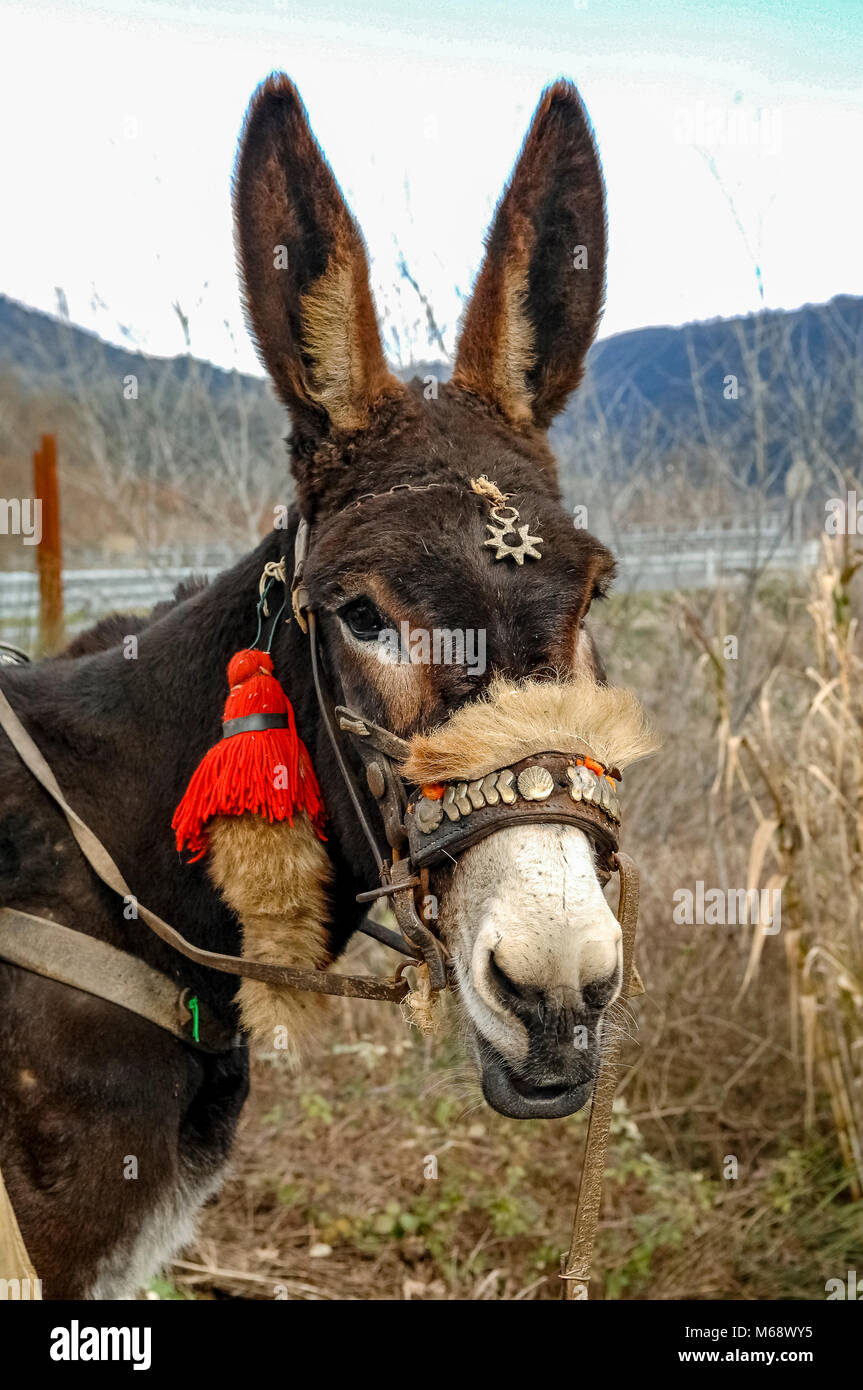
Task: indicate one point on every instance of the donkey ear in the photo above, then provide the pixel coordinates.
(303, 265)
(537, 301)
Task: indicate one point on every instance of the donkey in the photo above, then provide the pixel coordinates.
(113, 1132)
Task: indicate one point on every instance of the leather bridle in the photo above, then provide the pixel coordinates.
(474, 810)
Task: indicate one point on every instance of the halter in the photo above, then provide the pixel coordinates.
(441, 821)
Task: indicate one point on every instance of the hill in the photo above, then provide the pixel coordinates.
(669, 420)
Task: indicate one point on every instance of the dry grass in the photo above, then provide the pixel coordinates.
(801, 779)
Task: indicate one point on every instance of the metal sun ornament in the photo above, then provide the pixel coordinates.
(501, 526)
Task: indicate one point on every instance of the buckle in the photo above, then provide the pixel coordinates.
(299, 592)
(414, 930)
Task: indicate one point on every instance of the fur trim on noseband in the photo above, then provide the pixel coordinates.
(514, 721)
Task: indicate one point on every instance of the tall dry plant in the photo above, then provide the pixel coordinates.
(794, 767)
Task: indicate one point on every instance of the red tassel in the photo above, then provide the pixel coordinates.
(266, 771)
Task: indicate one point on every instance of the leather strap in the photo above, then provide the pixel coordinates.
(15, 1262)
(325, 705)
(72, 958)
(253, 724)
(575, 1267)
(100, 861)
(476, 821)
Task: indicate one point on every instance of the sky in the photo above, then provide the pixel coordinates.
(730, 131)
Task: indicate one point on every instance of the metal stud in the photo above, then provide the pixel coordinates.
(448, 805)
(589, 785)
(505, 785)
(583, 781)
(429, 814)
(536, 783)
(474, 791)
(489, 789)
(376, 780)
(461, 800)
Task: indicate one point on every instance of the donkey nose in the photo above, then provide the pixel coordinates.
(554, 1008)
(576, 970)
(598, 954)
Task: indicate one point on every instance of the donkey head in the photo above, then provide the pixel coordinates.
(400, 547)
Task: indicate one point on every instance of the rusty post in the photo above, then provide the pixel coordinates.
(49, 559)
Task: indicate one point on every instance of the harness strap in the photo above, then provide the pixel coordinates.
(252, 723)
(15, 1262)
(325, 706)
(72, 958)
(100, 861)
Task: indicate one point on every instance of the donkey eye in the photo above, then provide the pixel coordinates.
(363, 619)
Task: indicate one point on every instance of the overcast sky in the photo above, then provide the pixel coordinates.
(731, 135)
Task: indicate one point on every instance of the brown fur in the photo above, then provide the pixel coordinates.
(313, 319)
(533, 315)
(275, 878)
(517, 721)
(405, 688)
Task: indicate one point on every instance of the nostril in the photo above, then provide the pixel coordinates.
(598, 993)
(506, 987)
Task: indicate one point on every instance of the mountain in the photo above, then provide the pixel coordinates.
(154, 452)
(729, 402)
(759, 391)
(47, 352)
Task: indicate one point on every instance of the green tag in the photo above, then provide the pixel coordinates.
(192, 1006)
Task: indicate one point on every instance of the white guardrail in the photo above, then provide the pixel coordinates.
(90, 593)
(702, 567)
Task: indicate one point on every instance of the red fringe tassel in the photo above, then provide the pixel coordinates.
(268, 772)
